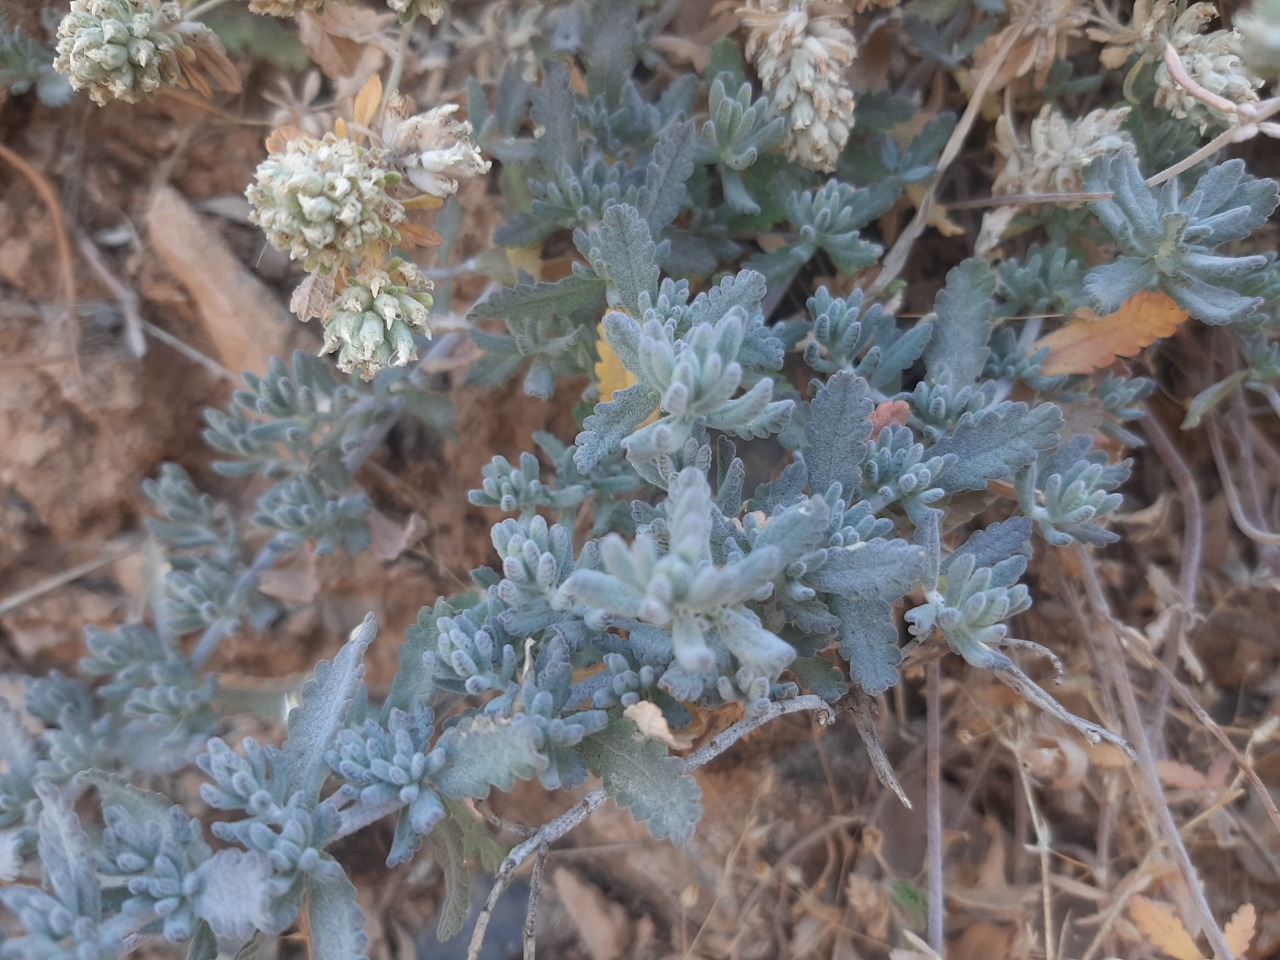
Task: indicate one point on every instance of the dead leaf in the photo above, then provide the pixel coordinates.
(602, 924)
(390, 538)
(1163, 929)
(367, 101)
(344, 41)
(1089, 342)
(310, 301)
(416, 235)
(890, 411)
(1240, 929)
(648, 718)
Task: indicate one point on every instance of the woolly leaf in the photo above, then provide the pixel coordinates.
(869, 642)
(324, 704)
(836, 433)
(869, 569)
(1089, 342)
(996, 443)
(204, 944)
(623, 254)
(535, 301)
(64, 850)
(413, 682)
(555, 113)
(995, 543)
(612, 422)
(640, 775)
(483, 752)
(234, 893)
(818, 676)
(446, 842)
(963, 327)
(337, 923)
(663, 196)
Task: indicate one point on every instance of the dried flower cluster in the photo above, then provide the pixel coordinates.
(1213, 60)
(1259, 29)
(337, 203)
(801, 58)
(1058, 151)
(325, 201)
(128, 49)
(283, 8)
(431, 150)
(433, 10)
(371, 324)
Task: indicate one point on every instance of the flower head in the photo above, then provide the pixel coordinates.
(325, 201)
(371, 324)
(431, 149)
(1214, 60)
(800, 59)
(128, 49)
(283, 8)
(1059, 150)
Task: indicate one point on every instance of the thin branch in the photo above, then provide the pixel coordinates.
(125, 297)
(896, 258)
(550, 832)
(535, 894)
(70, 575)
(933, 807)
(1247, 527)
(1042, 849)
(66, 266)
(1119, 673)
(497, 820)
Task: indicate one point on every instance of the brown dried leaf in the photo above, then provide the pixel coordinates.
(1240, 929)
(281, 137)
(1163, 929)
(311, 299)
(1089, 342)
(1180, 776)
(648, 718)
(367, 101)
(416, 235)
(341, 38)
(390, 538)
(890, 411)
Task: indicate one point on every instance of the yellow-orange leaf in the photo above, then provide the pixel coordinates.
(1163, 929)
(367, 100)
(1240, 929)
(1089, 342)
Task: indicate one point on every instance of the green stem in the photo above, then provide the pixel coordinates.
(397, 65)
(200, 9)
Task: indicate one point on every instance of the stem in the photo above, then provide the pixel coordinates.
(561, 825)
(1119, 672)
(200, 9)
(397, 65)
(933, 807)
(535, 894)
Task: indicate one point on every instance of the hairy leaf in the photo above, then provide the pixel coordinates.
(836, 433)
(446, 841)
(235, 893)
(963, 326)
(337, 923)
(64, 850)
(870, 569)
(325, 702)
(484, 752)
(869, 642)
(641, 776)
(995, 444)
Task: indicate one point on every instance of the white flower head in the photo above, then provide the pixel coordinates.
(371, 324)
(1058, 152)
(801, 59)
(432, 150)
(1213, 60)
(325, 201)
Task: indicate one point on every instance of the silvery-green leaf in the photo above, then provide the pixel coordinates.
(963, 326)
(484, 752)
(235, 893)
(836, 434)
(640, 775)
(869, 642)
(336, 921)
(869, 570)
(611, 422)
(818, 676)
(663, 195)
(325, 702)
(446, 842)
(995, 543)
(204, 945)
(64, 850)
(996, 443)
